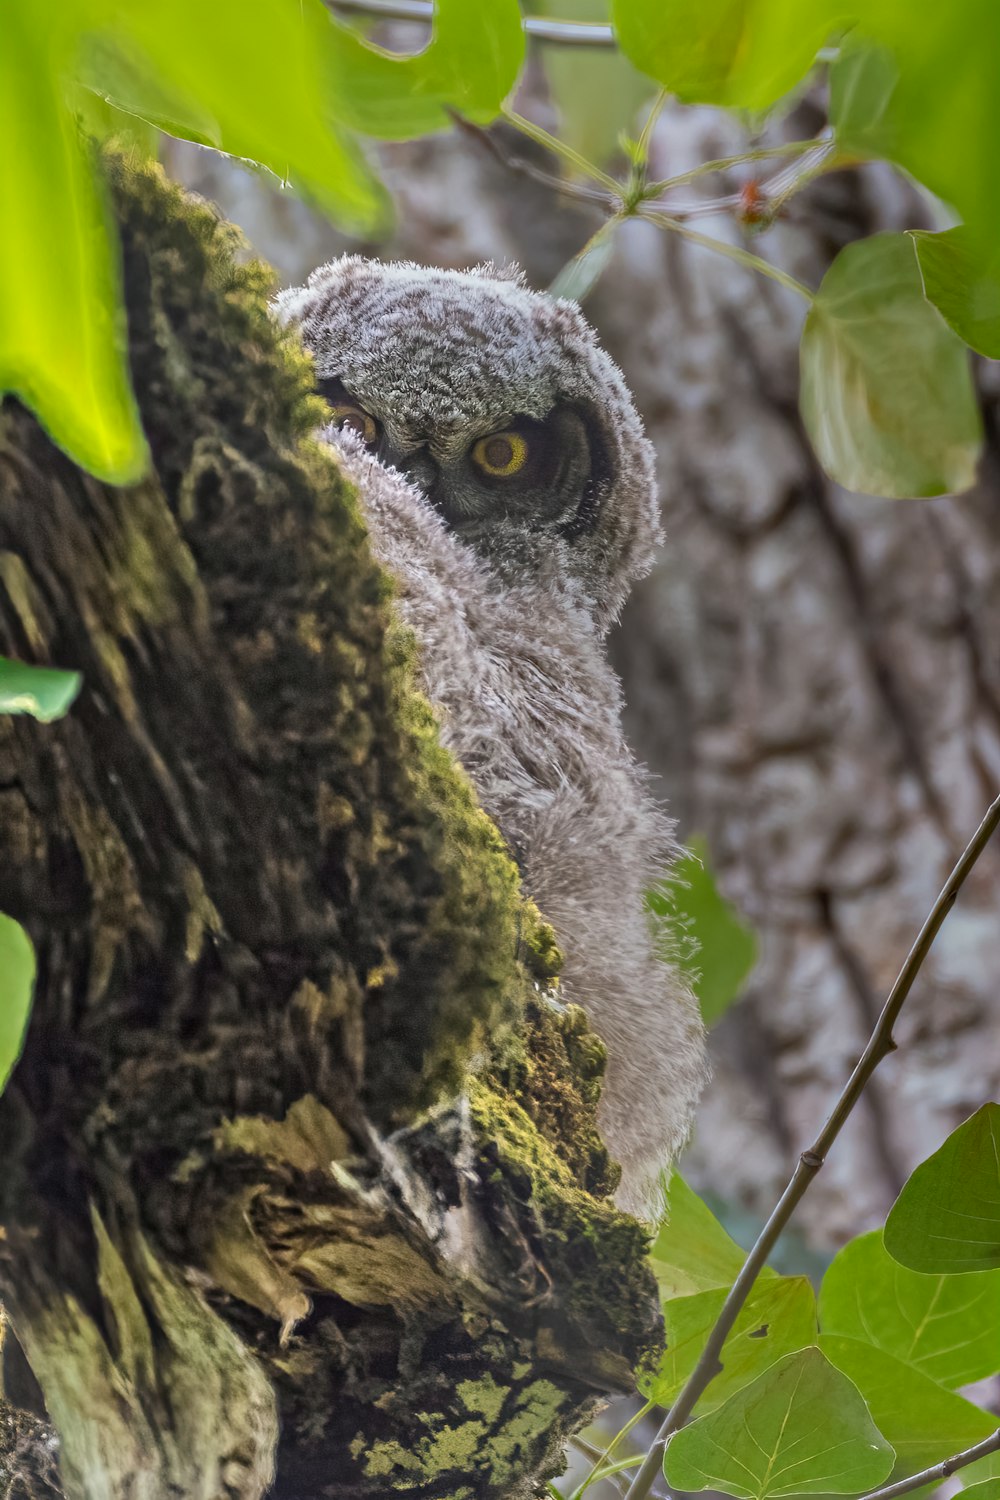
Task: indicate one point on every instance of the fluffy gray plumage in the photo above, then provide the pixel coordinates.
(510, 578)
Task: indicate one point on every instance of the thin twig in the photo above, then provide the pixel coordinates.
(523, 168)
(655, 110)
(732, 252)
(817, 157)
(565, 33)
(601, 1459)
(937, 1471)
(552, 143)
(611, 1473)
(880, 1044)
(725, 163)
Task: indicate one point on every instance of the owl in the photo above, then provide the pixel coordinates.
(509, 488)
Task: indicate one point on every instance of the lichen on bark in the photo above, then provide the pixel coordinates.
(253, 1238)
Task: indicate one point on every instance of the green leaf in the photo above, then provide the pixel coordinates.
(596, 91)
(471, 65)
(105, 121)
(801, 1428)
(923, 1422)
(886, 394)
(227, 86)
(778, 1317)
(17, 978)
(44, 692)
(692, 1252)
(943, 116)
(986, 1489)
(742, 53)
(862, 79)
(724, 949)
(964, 285)
(947, 1218)
(948, 1327)
(580, 275)
(62, 338)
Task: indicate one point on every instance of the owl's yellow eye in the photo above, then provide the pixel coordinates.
(501, 454)
(355, 419)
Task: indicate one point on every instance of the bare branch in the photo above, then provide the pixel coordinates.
(879, 1046)
(563, 33)
(937, 1471)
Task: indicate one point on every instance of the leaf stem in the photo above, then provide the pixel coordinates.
(726, 163)
(732, 252)
(560, 148)
(655, 111)
(598, 1471)
(880, 1044)
(937, 1471)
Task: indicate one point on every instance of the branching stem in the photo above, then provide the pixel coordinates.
(726, 163)
(879, 1046)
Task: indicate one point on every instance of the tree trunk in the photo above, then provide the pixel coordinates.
(250, 1242)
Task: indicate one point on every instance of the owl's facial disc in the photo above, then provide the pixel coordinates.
(537, 473)
(532, 472)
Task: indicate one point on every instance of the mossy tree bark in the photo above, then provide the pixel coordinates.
(249, 1242)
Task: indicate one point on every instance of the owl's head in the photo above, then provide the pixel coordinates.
(499, 405)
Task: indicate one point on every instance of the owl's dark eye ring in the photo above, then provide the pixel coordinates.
(501, 454)
(351, 418)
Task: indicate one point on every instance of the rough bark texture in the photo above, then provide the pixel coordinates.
(815, 675)
(237, 1253)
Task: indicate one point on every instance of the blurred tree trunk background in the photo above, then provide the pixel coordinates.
(814, 675)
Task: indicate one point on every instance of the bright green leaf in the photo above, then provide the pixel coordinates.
(109, 67)
(282, 117)
(724, 948)
(470, 65)
(801, 1428)
(44, 692)
(947, 1218)
(887, 395)
(692, 1252)
(943, 117)
(986, 1489)
(17, 978)
(778, 1317)
(596, 91)
(580, 275)
(862, 79)
(741, 53)
(62, 343)
(105, 121)
(964, 285)
(980, 1471)
(923, 1422)
(948, 1327)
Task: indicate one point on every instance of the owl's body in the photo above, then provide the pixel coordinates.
(509, 489)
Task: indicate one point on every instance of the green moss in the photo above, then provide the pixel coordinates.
(257, 510)
(483, 1395)
(593, 1252)
(385, 1459)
